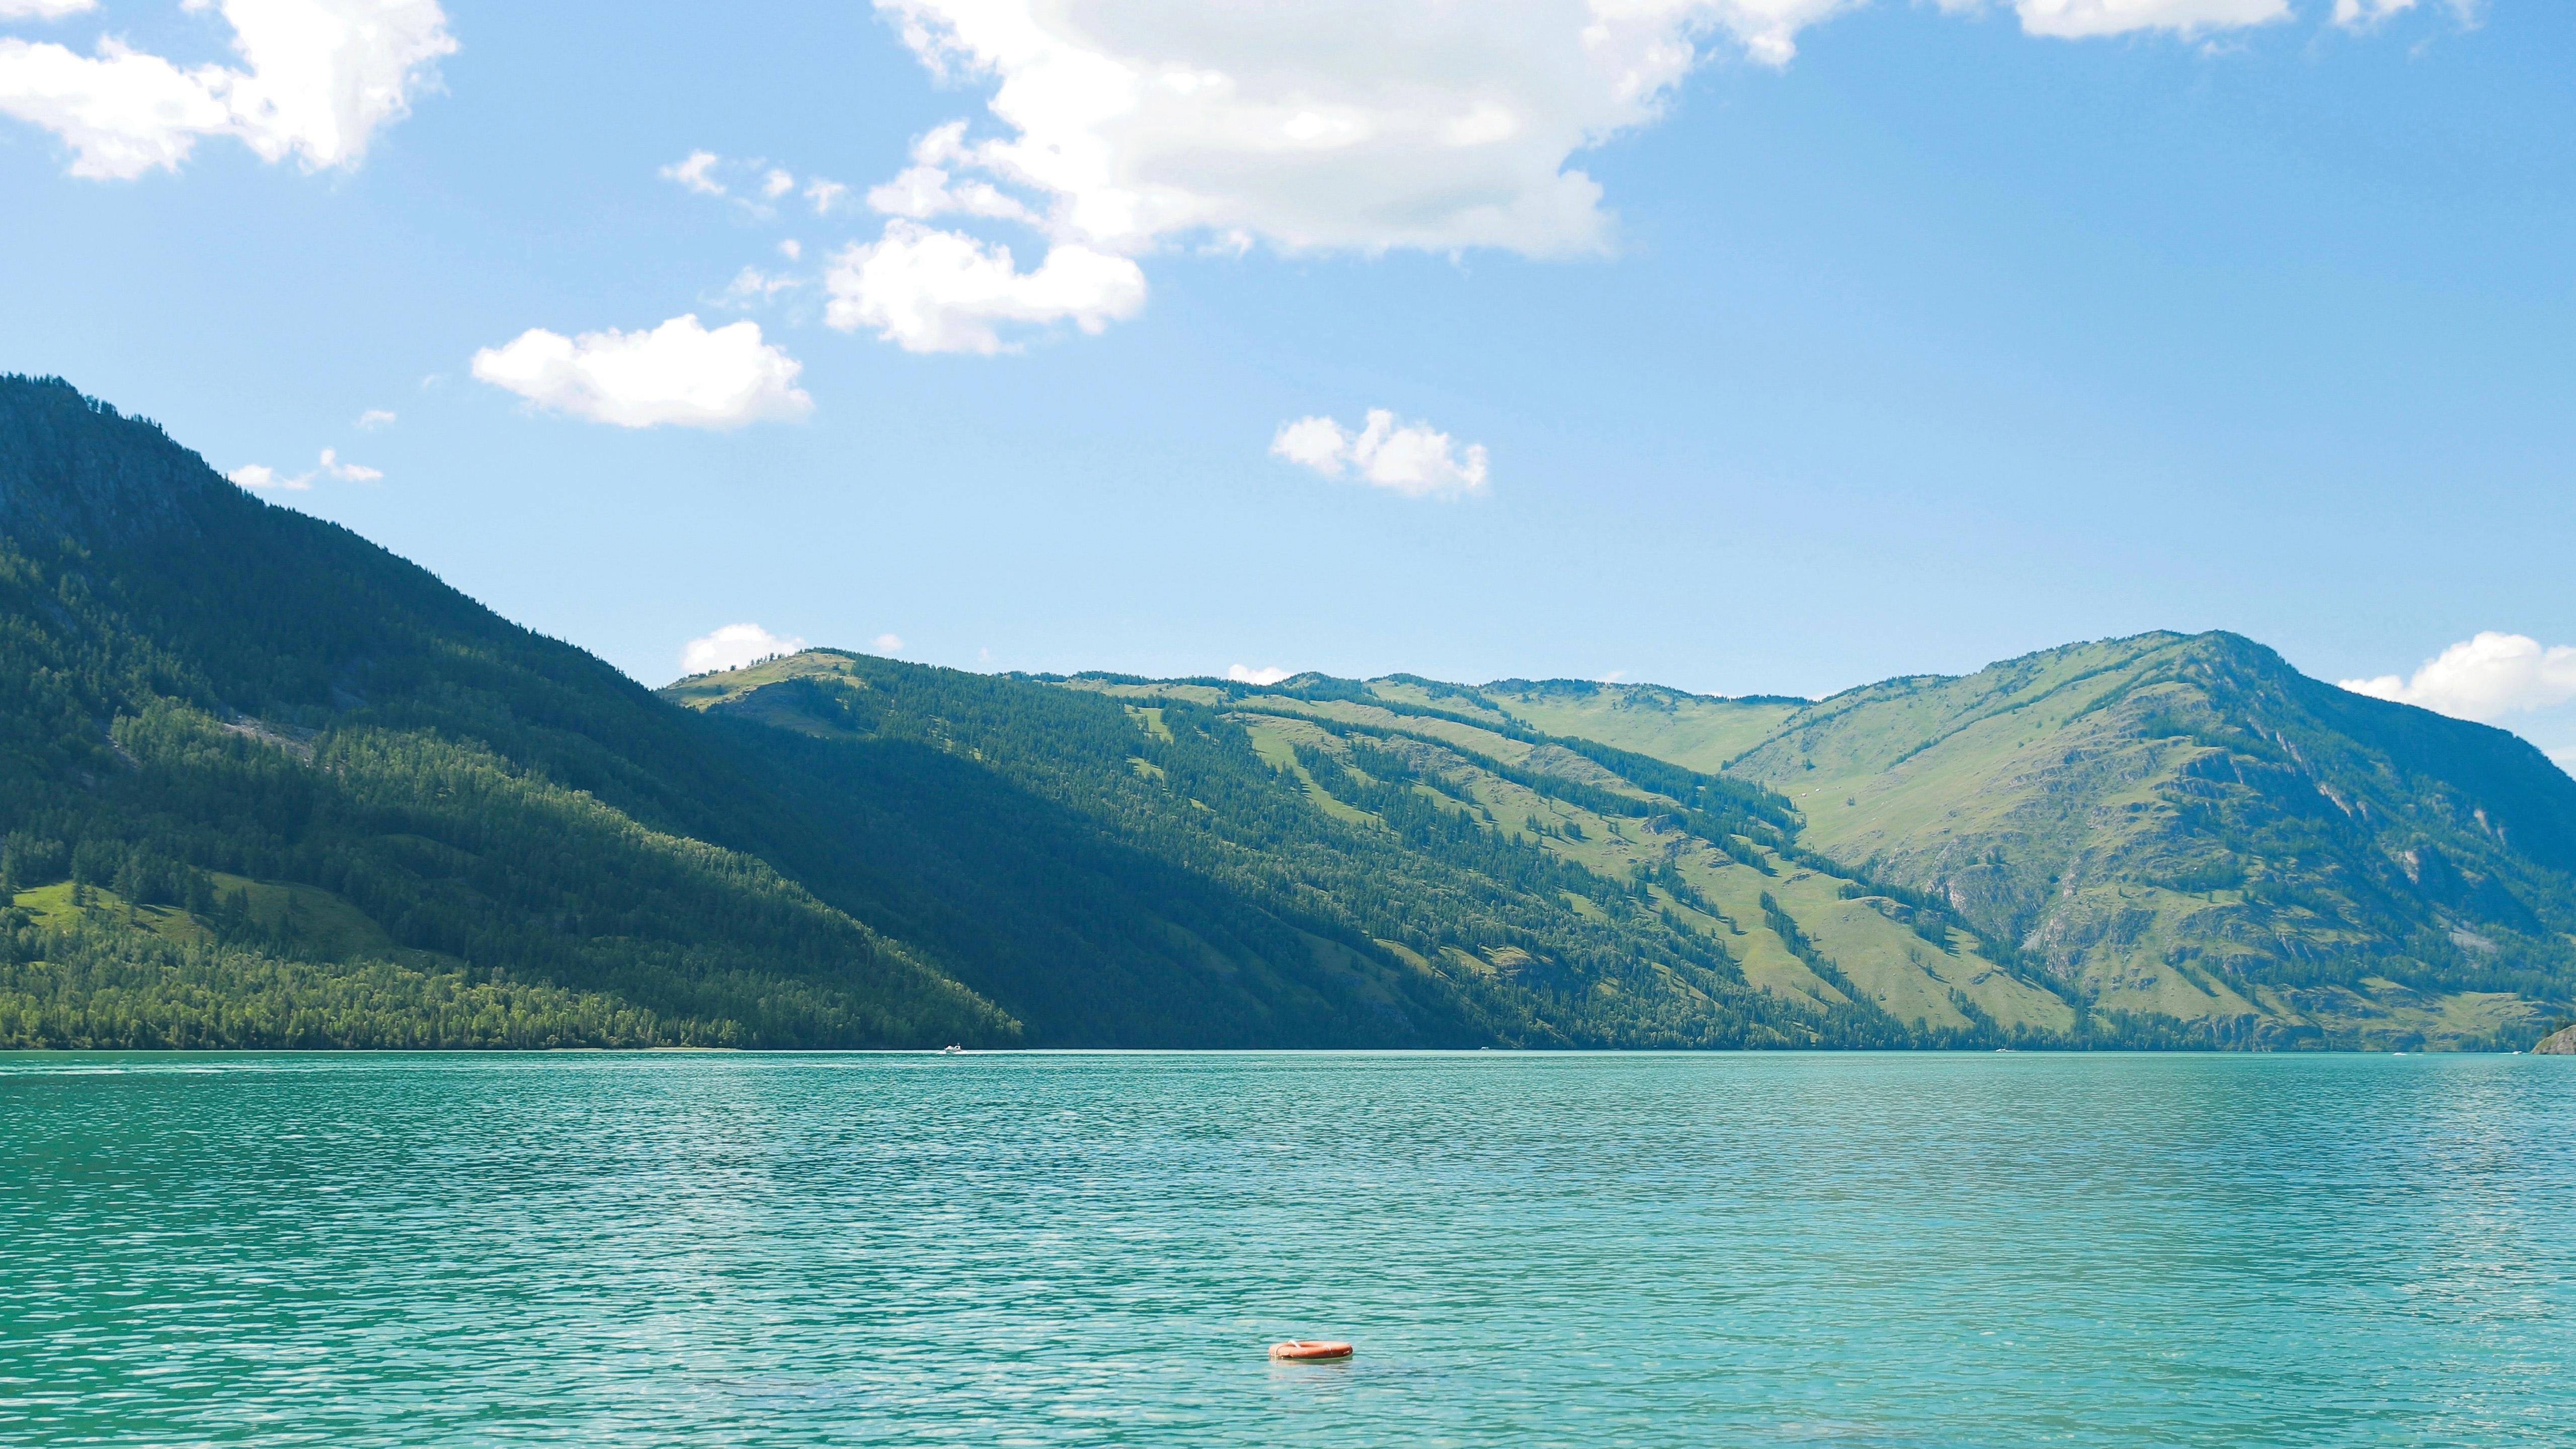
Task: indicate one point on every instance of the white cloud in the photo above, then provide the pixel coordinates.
(1246, 674)
(123, 113)
(944, 291)
(923, 192)
(372, 419)
(1318, 443)
(734, 646)
(260, 475)
(696, 172)
(776, 184)
(752, 286)
(887, 643)
(348, 472)
(2484, 678)
(791, 249)
(678, 373)
(1413, 459)
(319, 77)
(1353, 124)
(1326, 125)
(2363, 13)
(1124, 127)
(825, 195)
(2081, 19)
(44, 9)
(926, 190)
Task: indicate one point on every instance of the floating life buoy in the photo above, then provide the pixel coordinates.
(1308, 1350)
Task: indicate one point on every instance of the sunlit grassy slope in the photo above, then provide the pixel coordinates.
(2150, 841)
(1846, 945)
(1356, 868)
(1696, 730)
(1149, 867)
(2186, 828)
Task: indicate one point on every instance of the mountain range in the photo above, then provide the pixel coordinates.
(263, 783)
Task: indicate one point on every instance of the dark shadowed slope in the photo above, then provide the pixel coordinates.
(263, 782)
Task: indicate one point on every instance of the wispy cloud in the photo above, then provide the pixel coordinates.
(44, 9)
(260, 475)
(696, 171)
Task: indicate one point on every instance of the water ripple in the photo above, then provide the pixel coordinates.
(1042, 1249)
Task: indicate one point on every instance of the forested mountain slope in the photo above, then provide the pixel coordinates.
(1461, 884)
(263, 783)
(2187, 828)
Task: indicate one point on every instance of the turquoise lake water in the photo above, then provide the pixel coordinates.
(1095, 1249)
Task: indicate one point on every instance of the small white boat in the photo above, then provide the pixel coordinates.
(952, 1051)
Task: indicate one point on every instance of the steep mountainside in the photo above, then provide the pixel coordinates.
(1017, 833)
(261, 782)
(2187, 828)
(1433, 880)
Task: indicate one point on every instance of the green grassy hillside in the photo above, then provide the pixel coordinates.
(1695, 730)
(2186, 828)
(1620, 839)
(1280, 868)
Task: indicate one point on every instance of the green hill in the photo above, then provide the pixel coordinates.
(1713, 861)
(387, 815)
(263, 783)
(1296, 864)
(2187, 829)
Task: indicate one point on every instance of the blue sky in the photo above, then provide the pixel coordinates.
(1741, 345)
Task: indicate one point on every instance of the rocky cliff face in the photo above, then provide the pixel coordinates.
(2559, 1044)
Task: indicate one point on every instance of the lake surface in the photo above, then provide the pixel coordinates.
(1095, 1249)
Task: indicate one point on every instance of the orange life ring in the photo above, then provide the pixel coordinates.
(1307, 1350)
